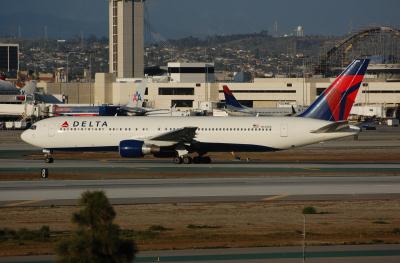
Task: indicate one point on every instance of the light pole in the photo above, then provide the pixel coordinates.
(90, 77)
(304, 238)
(69, 53)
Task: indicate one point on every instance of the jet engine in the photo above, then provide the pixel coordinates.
(134, 149)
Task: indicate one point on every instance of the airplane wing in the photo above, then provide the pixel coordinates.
(184, 135)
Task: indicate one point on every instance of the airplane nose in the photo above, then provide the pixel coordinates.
(25, 136)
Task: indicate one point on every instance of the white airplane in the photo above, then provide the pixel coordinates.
(180, 138)
(234, 108)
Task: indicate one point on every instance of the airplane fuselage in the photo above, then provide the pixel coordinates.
(271, 112)
(256, 134)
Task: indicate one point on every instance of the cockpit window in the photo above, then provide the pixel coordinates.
(33, 127)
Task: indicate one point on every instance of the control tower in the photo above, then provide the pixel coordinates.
(126, 46)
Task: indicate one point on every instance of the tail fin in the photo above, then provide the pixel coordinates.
(29, 88)
(137, 98)
(230, 100)
(335, 103)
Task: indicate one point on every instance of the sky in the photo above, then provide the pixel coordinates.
(182, 18)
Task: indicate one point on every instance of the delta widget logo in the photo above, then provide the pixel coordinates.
(65, 125)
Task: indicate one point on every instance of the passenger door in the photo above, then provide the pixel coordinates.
(52, 130)
(284, 130)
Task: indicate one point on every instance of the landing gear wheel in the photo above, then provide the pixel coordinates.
(206, 159)
(187, 160)
(48, 156)
(178, 160)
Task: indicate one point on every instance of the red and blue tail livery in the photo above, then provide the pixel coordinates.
(335, 103)
(230, 100)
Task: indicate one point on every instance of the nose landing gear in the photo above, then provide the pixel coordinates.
(48, 158)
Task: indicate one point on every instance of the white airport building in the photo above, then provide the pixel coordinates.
(193, 85)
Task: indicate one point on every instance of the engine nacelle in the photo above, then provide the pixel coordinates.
(134, 149)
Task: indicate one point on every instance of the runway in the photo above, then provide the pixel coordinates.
(353, 254)
(160, 167)
(185, 190)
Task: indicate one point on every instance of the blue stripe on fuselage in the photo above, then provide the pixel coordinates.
(195, 147)
(87, 149)
(228, 147)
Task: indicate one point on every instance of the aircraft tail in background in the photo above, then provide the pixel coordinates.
(230, 100)
(137, 98)
(29, 88)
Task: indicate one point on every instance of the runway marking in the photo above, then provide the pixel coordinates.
(275, 197)
(22, 203)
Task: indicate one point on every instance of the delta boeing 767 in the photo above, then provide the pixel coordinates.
(186, 137)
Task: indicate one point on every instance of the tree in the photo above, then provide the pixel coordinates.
(309, 210)
(96, 239)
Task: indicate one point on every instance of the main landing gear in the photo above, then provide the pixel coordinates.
(188, 160)
(48, 158)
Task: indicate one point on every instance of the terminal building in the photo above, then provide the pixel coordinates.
(190, 85)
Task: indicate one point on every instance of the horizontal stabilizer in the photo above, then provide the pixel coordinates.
(341, 126)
